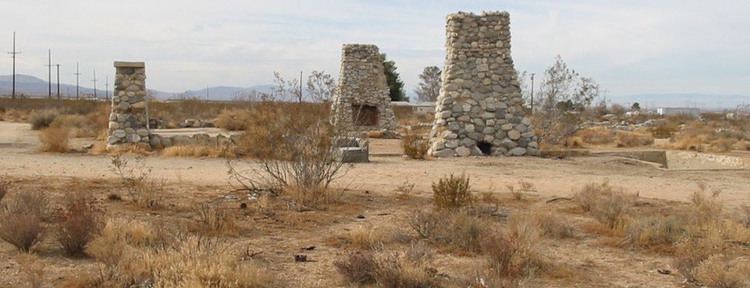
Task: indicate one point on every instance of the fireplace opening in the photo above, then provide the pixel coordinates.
(485, 147)
(365, 115)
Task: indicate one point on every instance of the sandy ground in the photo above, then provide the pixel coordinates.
(371, 189)
(551, 177)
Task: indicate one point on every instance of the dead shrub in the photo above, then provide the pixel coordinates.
(633, 139)
(523, 188)
(692, 250)
(596, 136)
(42, 119)
(135, 177)
(656, 232)
(706, 209)
(720, 271)
(55, 139)
(296, 151)
(512, 253)
(364, 238)
(32, 269)
(80, 221)
(232, 120)
(357, 268)
(213, 220)
(198, 151)
(664, 129)
(452, 192)
(23, 215)
(79, 125)
(605, 203)
(458, 230)
(415, 146)
(553, 226)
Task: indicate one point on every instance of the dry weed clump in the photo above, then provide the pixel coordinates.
(296, 151)
(712, 136)
(721, 271)
(551, 225)
(135, 177)
(232, 120)
(364, 238)
(198, 151)
(596, 136)
(414, 145)
(523, 189)
(452, 192)
(55, 139)
(605, 203)
(213, 221)
(633, 139)
(461, 232)
(512, 253)
(80, 221)
(42, 119)
(656, 232)
(22, 219)
(4, 187)
(407, 269)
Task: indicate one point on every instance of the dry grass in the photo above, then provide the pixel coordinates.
(135, 178)
(364, 238)
(32, 269)
(214, 221)
(407, 269)
(198, 151)
(452, 192)
(55, 139)
(658, 233)
(42, 119)
(523, 189)
(414, 145)
(22, 219)
(512, 253)
(633, 139)
(552, 225)
(460, 232)
(720, 271)
(4, 187)
(232, 120)
(605, 203)
(80, 220)
(596, 136)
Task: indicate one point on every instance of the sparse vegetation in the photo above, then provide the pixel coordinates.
(22, 219)
(415, 147)
(607, 204)
(55, 139)
(213, 220)
(42, 119)
(80, 220)
(135, 177)
(452, 192)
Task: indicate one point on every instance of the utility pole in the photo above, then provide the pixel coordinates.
(300, 86)
(106, 87)
(58, 81)
(532, 93)
(206, 92)
(77, 76)
(49, 71)
(13, 55)
(94, 80)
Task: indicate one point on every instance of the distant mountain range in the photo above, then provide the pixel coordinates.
(35, 87)
(31, 86)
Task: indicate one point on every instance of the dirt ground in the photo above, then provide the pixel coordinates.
(369, 190)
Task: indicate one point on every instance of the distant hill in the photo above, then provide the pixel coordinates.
(703, 101)
(34, 87)
(224, 93)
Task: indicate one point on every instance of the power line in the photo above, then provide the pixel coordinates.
(13, 55)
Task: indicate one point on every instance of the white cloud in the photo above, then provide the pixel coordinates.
(630, 47)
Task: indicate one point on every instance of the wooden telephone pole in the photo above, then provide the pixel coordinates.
(13, 55)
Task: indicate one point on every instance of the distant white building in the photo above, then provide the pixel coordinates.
(669, 111)
(417, 108)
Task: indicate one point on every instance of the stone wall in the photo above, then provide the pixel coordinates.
(362, 101)
(480, 109)
(128, 121)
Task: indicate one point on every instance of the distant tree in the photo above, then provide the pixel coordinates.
(563, 96)
(635, 107)
(321, 86)
(395, 85)
(286, 90)
(429, 86)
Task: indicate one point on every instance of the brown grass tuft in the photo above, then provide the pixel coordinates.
(40, 120)
(633, 139)
(55, 139)
(4, 187)
(32, 269)
(720, 271)
(22, 218)
(512, 253)
(80, 221)
(232, 120)
(214, 221)
(397, 269)
(605, 203)
(452, 192)
(414, 145)
(198, 151)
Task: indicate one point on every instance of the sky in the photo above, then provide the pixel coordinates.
(629, 47)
